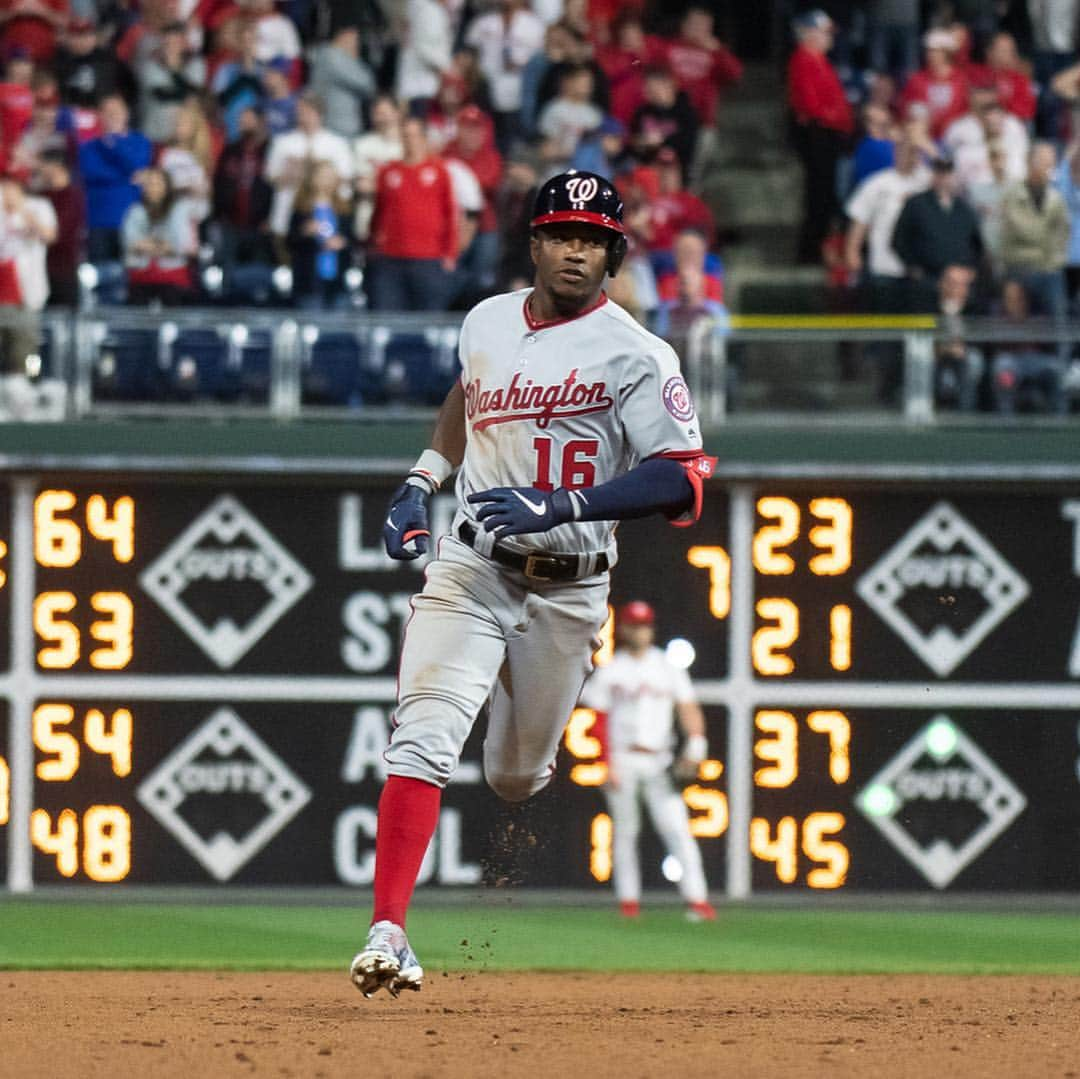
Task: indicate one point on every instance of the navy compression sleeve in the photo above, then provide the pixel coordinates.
(657, 485)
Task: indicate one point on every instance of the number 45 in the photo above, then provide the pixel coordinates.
(577, 469)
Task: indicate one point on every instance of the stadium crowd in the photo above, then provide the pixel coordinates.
(943, 178)
(385, 152)
(152, 139)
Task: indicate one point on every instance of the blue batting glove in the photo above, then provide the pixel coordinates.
(511, 511)
(406, 531)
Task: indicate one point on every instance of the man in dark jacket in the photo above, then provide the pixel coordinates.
(242, 196)
(85, 71)
(936, 228)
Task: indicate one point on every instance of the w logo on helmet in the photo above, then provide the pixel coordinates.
(581, 189)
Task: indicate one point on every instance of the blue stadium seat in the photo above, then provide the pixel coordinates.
(249, 366)
(125, 365)
(420, 367)
(194, 362)
(330, 367)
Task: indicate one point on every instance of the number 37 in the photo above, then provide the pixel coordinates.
(578, 469)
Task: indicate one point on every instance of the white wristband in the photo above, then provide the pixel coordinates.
(696, 748)
(432, 468)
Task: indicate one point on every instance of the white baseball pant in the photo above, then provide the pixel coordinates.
(480, 632)
(643, 777)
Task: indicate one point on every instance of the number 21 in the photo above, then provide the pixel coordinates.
(576, 471)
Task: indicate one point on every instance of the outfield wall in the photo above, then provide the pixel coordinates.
(200, 638)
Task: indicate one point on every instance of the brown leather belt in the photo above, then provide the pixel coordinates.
(539, 565)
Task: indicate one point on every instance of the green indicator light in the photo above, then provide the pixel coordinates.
(941, 739)
(878, 800)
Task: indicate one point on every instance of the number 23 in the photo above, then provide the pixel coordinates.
(577, 469)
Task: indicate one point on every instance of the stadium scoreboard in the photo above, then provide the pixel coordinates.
(199, 676)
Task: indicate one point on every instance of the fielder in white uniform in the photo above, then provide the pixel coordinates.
(568, 417)
(637, 697)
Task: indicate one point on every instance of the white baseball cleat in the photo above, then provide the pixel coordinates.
(387, 962)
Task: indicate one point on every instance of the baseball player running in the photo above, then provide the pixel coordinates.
(636, 697)
(567, 418)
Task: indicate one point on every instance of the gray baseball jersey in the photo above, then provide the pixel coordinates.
(572, 403)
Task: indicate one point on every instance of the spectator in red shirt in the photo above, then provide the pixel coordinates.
(413, 229)
(16, 104)
(691, 249)
(702, 66)
(823, 123)
(624, 61)
(1007, 72)
(941, 87)
(475, 146)
(32, 26)
(674, 208)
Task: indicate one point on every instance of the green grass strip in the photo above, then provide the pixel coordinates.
(744, 939)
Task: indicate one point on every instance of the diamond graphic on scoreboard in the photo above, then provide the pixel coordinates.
(223, 793)
(941, 801)
(942, 588)
(225, 581)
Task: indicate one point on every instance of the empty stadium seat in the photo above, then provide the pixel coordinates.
(330, 367)
(249, 366)
(418, 368)
(194, 361)
(125, 364)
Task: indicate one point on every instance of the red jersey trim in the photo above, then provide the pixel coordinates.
(540, 324)
(698, 467)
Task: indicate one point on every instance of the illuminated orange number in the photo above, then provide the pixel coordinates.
(781, 748)
(114, 631)
(106, 843)
(718, 563)
(837, 726)
(585, 746)
(3, 554)
(50, 737)
(57, 540)
(769, 642)
(819, 849)
(116, 527)
(600, 834)
(112, 740)
(5, 791)
(62, 841)
(712, 807)
(832, 539)
(782, 851)
(840, 637)
(63, 637)
(767, 559)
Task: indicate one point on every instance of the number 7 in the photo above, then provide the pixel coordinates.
(576, 471)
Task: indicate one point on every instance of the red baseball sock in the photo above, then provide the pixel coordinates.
(408, 814)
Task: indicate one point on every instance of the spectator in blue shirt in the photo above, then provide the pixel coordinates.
(319, 239)
(279, 105)
(876, 149)
(109, 166)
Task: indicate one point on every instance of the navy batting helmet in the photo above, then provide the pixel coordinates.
(589, 199)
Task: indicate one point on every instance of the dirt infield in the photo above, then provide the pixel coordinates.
(563, 1026)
